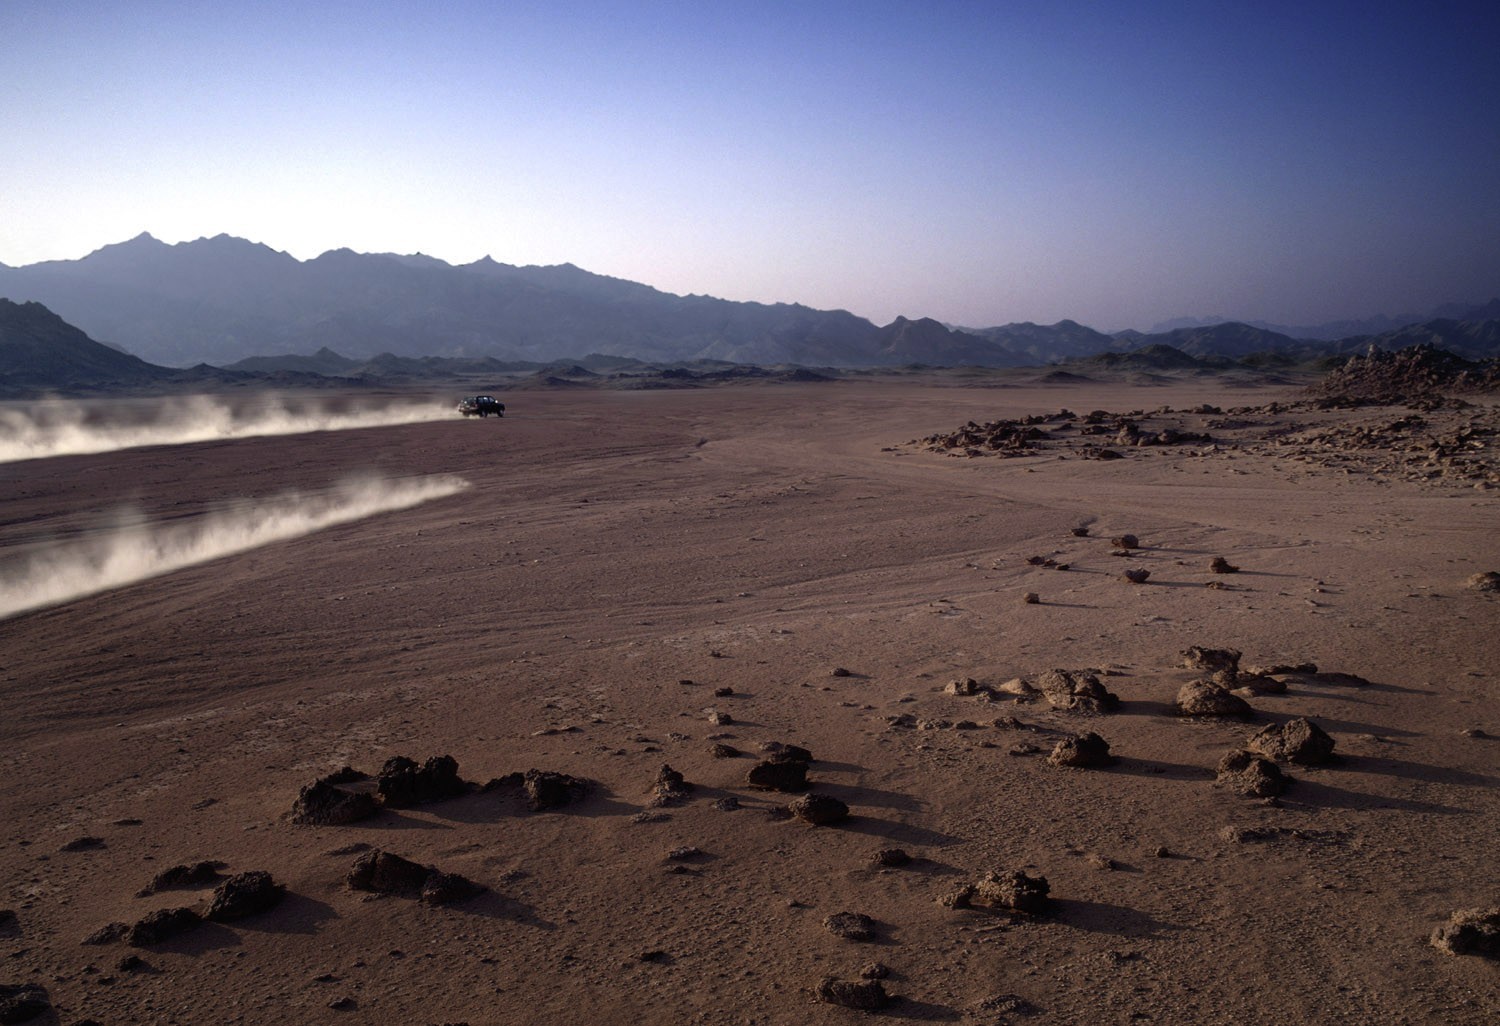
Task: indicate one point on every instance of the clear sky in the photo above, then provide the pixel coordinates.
(980, 163)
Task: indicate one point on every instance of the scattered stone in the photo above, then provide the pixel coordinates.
(325, 802)
(1300, 740)
(1251, 775)
(729, 803)
(778, 752)
(1018, 687)
(108, 933)
(1083, 751)
(1477, 733)
(161, 925)
(8, 922)
(1210, 660)
(1259, 683)
(1126, 541)
(403, 783)
(723, 692)
(1206, 698)
(1282, 669)
(866, 995)
(131, 964)
(850, 926)
(720, 719)
(1101, 862)
(447, 888)
(1489, 580)
(965, 725)
(1220, 565)
(1137, 575)
(819, 809)
(385, 873)
(839, 671)
(1080, 532)
(875, 971)
(892, 857)
(963, 897)
(1024, 748)
(1015, 891)
(1161, 852)
(244, 894)
(84, 844)
(1077, 692)
(651, 956)
(548, 790)
(342, 1004)
(195, 875)
(965, 687)
(686, 853)
(22, 1002)
(778, 776)
(723, 751)
(1470, 931)
(1031, 598)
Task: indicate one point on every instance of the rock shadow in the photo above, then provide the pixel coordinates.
(893, 831)
(1116, 920)
(295, 913)
(1309, 793)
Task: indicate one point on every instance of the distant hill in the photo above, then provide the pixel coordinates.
(40, 351)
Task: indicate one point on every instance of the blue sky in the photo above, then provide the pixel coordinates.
(976, 162)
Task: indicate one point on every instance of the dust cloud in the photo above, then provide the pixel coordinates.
(66, 428)
(134, 550)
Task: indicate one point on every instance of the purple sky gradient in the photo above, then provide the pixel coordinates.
(981, 163)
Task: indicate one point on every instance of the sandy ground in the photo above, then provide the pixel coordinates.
(623, 555)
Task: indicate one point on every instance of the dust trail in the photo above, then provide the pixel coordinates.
(135, 551)
(66, 428)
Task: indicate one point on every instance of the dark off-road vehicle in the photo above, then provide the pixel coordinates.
(481, 406)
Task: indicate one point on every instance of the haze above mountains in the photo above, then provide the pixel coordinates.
(223, 300)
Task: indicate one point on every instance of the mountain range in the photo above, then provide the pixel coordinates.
(224, 300)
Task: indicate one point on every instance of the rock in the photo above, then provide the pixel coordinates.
(325, 803)
(720, 719)
(1210, 660)
(965, 687)
(1259, 683)
(108, 933)
(161, 925)
(195, 875)
(1031, 598)
(1251, 775)
(1101, 862)
(84, 844)
(670, 787)
(403, 783)
(1015, 891)
(892, 858)
(1137, 576)
(385, 873)
(778, 776)
(548, 790)
(1019, 688)
(839, 671)
(1077, 692)
(819, 809)
(1205, 698)
(1220, 565)
(1084, 751)
(447, 888)
(1489, 580)
(850, 926)
(778, 752)
(1301, 741)
(1470, 931)
(8, 922)
(729, 803)
(22, 1002)
(874, 971)
(720, 750)
(1282, 669)
(865, 995)
(723, 692)
(244, 894)
(1126, 541)
(131, 964)
(1080, 532)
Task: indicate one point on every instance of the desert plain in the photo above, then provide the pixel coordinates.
(633, 578)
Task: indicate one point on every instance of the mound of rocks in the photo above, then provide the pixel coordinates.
(548, 790)
(243, 895)
(864, 995)
(328, 801)
(819, 809)
(784, 769)
(1076, 692)
(382, 872)
(1014, 891)
(853, 926)
(1251, 775)
(1208, 698)
(1405, 374)
(195, 875)
(403, 783)
(1300, 740)
(1470, 931)
(670, 787)
(1082, 751)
